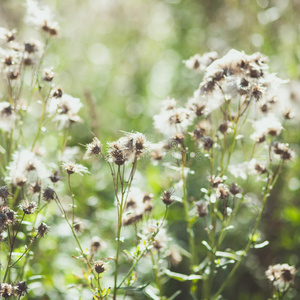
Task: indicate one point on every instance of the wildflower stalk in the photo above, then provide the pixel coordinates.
(57, 200)
(257, 222)
(147, 246)
(156, 276)
(12, 247)
(25, 252)
(120, 207)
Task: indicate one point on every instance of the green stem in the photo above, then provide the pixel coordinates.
(249, 244)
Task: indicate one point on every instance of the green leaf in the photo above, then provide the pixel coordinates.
(134, 288)
(174, 295)
(227, 255)
(261, 245)
(205, 243)
(182, 277)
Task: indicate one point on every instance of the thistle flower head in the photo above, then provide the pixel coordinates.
(171, 119)
(200, 63)
(137, 205)
(93, 149)
(43, 229)
(4, 192)
(283, 151)
(7, 35)
(24, 162)
(49, 194)
(202, 209)
(65, 108)
(72, 168)
(7, 116)
(100, 266)
(41, 17)
(28, 207)
(6, 290)
(167, 197)
(20, 288)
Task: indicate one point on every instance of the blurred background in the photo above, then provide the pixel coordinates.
(122, 58)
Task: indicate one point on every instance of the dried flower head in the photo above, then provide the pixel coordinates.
(57, 93)
(41, 16)
(49, 194)
(222, 191)
(234, 189)
(95, 244)
(6, 290)
(215, 180)
(43, 229)
(100, 266)
(72, 168)
(28, 207)
(48, 75)
(20, 288)
(207, 143)
(167, 197)
(36, 187)
(200, 63)
(7, 35)
(55, 177)
(281, 276)
(4, 193)
(93, 149)
(283, 151)
(137, 205)
(202, 208)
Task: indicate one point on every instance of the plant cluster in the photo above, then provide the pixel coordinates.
(232, 127)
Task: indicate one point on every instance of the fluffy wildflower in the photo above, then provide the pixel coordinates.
(28, 207)
(283, 151)
(138, 203)
(157, 151)
(7, 35)
(160, 240)
(65, 109)
(281, 276)
(48, 75)
(7, 116)
(252, 167)
(6, 290)
(132, 146)
(267, 125)
(41, 17)
(24, 162)
(171, 120)
(93, 149)
(200, 63)
(72, 168)
(33, 52)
